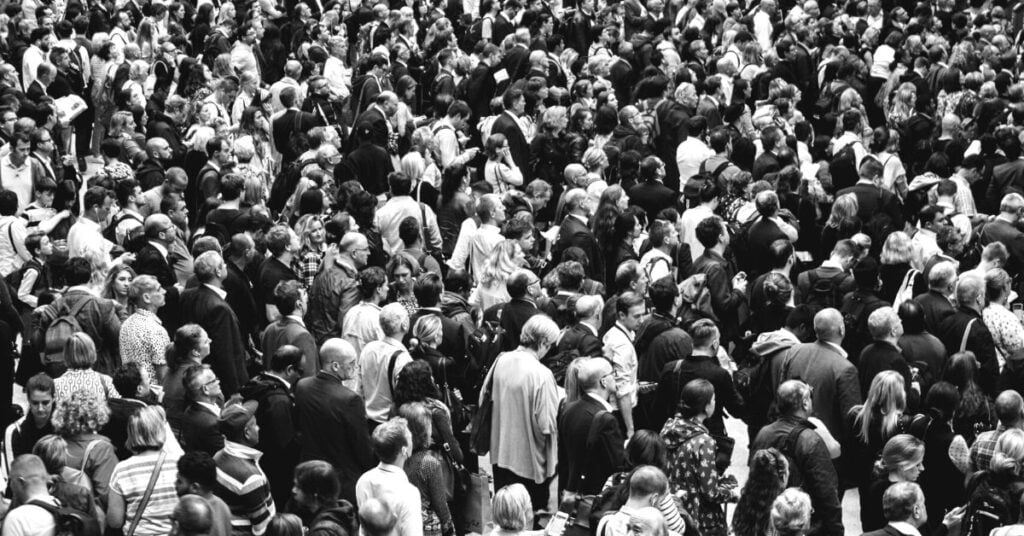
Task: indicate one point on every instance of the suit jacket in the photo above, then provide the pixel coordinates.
(514, 315)
(888, 530)
(331, 419)
(834, 380)
(592, 446)
(1011, 237)
(149, 261)
(369, 164)
(516, 62)
(575, 233)
(871, 200)
(285, 331)
(1008, 177)
(517, 144)
(979, 340)
(162, 126)
(936, 309)
(200, 431)
(481, 89)
(283, 127)
(580, 338)
(653, 196)
(201, 305)
(765, 164)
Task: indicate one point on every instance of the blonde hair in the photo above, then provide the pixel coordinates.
(414, 165)
(428, 330)
(886, 396)
(844, 208)
(897, 249)
(84, 412)
(512, 508)
(791, 513)
(904, 451)
(147, 430)
(304, 227)
(1009, 452)
(79, 351)
(500, 263)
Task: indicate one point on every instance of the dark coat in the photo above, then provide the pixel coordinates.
(369, 164)
(283, 127)
(201, 305)
(760, 236)
(765, 164)
(517, 143)
(514, 315)
(378, 123)
(872, 200)
(200, 431)
(881, 356)
(149, 261)
(725, 300)
(592, 446)
(831, 375)
(1011, 237)
(574, 233)
(582, 339)
(979, 341)
(453, 343)
(163, 127)
(289, 331)
(332, 421)
(97, 319)
(653, 197)
(280, 445)
(936, 308)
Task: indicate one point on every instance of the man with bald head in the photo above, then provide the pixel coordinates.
(151, 171)
(332, 418)
(28, 480)
(964, 330)
(592, 445)
(824, 365)
(192, 517)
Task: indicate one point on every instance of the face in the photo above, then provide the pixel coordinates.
(300, 498)
(158, 297)
(316, 233)
(182, 486)
(527, 242)
(45, 245)
(40, 404)
(203, 349)
(211, 384)
(20, 152)
(121, 283)
(911, 473)
(361, 254)
(252, 431)
(403, 278)
(519, 106)
(632, 318)
(180, 214)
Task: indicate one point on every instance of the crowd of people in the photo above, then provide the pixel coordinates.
(300, 267)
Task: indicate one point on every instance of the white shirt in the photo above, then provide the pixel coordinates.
(374, 383)
(690, 219)
(618, 348)
(689, 156)
(925, 247)
(339, 77)
(18, 179)
(85, 236)
(30, 62)
(390, 216)
(13, 253)
(481, 245)
(763, 29)
(389, 483)
(655, 268)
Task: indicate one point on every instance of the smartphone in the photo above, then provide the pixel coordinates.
(556, 527)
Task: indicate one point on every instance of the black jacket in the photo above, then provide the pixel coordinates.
(936, 309)
(979, 341)
(200, 431)
(201, 305)
(592, 446)
(280, 446)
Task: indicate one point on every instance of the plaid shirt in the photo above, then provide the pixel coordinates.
(983, 449)
(307, 265)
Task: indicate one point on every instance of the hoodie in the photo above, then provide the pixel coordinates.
(764, 374)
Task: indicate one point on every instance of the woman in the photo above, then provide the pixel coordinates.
(415, 383)
(248, 95)
(502, 262)
(78, 420)
(501, 171)
(646, 448)
(132, 95)
(769, 472)
(115, 287)
(103, 65)
(1005, 471)
(79, 357)
(143, 338)
(951, 93)
(902, 461)
(976, 412)
(791, 514)
(191, 346)
(405, 120)
(456, 206)
(1007, 331)
(942, 482)
(872, 423)
(581, 129)
(127, 507)
(620, 245)
(596, 162)
(146, 39)
(204, 21)
(842, 223)
(883, 147)
(549, 148)
(692, 459)
(285, 525)
(512, 511)
(53, 450)
(903, 106)
(122, 130)
(753, 63)
(900, 282)
(310, 229)
(769, 313)
(402, 271)
(424, 469)
(255, 126)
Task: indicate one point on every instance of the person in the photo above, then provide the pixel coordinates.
(884, 354)
(315, 494)
(78, 419)
(416, 384)
(902, 460)
(240, 481)
(128, 503)
(619, 349)
(936, 302)
(1007, 331)
(791, 513)
(424, 470)
(29, 481)
(332, 417)
(336, 288)
(692, 458)
(191, 345)
(976, 412)
(811, 468)
(22, 434)
(728, 290)
(192, 516)
(1005, 473)
(80, 356)
(646, 485)
(525, 405)
(592, 446)
(381, 361)
(647, 448)
(905, 510)
(1009, 409)
(512, 510)
(942, 482)
(392, 444)
(965, 330)
(197, 475)
(766, 482)
(143, 338)
(291, 302)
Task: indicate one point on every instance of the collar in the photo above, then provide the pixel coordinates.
(581, 218)
(829, 263)
(214, 408)
(626, 332)
(592, 329)
(84, 288)
(159, 247)
(345, 265)
(7, 162)
(239, 450)
(391, 468)
(836, 347)
(297, 319)
(287, 385)
(905, 528)
(218, 291)
(604, 403)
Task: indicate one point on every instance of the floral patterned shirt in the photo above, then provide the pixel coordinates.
(1007, 331)
(692, 474)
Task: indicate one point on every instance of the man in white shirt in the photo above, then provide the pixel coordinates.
(401, 206)
(13, 253)
(362, 322)
(122, 33)
(691, 218)
(692, 151)
(292, 72)
(392, 443)
(618, 348)
(381, 361)
(446, 131)
(36, 54)
(16, 172)
(481, 242)
(657, 263)
(85, 235)
(338, 75)
(763, 26)
(925, 241)
(243, 58)
(29, 480)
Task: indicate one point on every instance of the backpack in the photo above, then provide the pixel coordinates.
(484, 344)
(828, 97)
(110, 232)
(855, 311)
(284, 185)
(788, 449)
(59, 331)
(70, 521)
(649, 269)
(906, 291)
(649, 114)
(738, 234)
(824, 292)
(753, 377)
(715, 173)
(214, 45)
(844, 167)
(989, 505)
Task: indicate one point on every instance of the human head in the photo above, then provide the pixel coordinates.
(904, 501)
(40, 392)
(829, 326)
(146, 429)
(793, 397)
(791, 513)
(512, 508)
(238, 424)
(81, 413)
(697, 398)
(28, 477)
(392, 440)
(902, 457)
(338, 357)
(315, 485)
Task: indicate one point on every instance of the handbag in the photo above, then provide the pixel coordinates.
(146, 496)
(473, 509)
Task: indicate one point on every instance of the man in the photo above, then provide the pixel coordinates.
(1009, 408)
(1003, 230)
(651, 194)
(582, 336)
(13, 253)
(26, 431)
(96, 317)
(151, 172)
(477, 244)
(592, 448)
(392, 444)
(658, 262)
(272, 390)
(290, 121)
(378, 118)
(575, 230)
(205, 305)
(964, 330)
(132, 382)
(192, 516)
(243, 57)
(772, 140)
(336, 289)
(871, 199)
(17, 171)
(410, 233)
(206, 191)
(619, 349)
(826, 285)
(811, 467)
(707, 196)
(199, 430)
(36, 54)
(154, 258)
(427, 290)
(510, 124)
(904, 508)
(374, 90)
(282, 247)
(165, 125)
(240, 481)
(728, 291)
(362, 321)
(524, 288)
(336, 74)
(446, 131)
(381, 361)
(626, 136)
(85, 234)
(936, 302)
(290, 329)
(332, 417)
(884, 353)
(369, 163)
(768, 228)
(402, 205)
(29, 486)
(824, 366)
(647, 485)
(292, 73)
(482, 83)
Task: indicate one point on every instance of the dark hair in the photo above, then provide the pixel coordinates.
(39, 383)
(77, 271)
(371, 279)
(663, 294)
(428, 289)
(409, 230)
(415, 383)
(709, 231)
(647, 448)
(198, 467)
(286, 356)
(695, 397)
(287, 295)
(766, 481)
(943, 397)
(318, 479)
(127, 379)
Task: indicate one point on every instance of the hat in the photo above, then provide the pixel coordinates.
(235, 417)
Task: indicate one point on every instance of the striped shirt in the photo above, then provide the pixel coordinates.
(244, 487)
(130, 479)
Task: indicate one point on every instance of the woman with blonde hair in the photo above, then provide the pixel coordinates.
(1006, 471)
(512, 511)
(902, 460)
(78, 419)
(501, 171)
(904, 103)
(128, 506)
(549, 149)
(79, 358)
(498, 267)
(313, 238)
(842, 223)
(596, 162)
(791, 513)
(1007, 331)
(899, 279)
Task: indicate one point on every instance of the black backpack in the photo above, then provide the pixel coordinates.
(855, 310)
(738, 234)
(824, 292)
(483, 345)
(110, 232)
(844, 167)
(70, 521)
(989, 504)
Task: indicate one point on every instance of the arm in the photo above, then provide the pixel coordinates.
(115, 510)
(433, 231)
(821, 483)
(848, 389)
(355, 420)
(28, 282)
(461, 252)
(624, 385)
(19, 231)
(724, 299)
(443, 424)
(704, 460)
(101, 466)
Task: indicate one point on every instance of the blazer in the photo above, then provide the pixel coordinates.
(833, 378)
(936, 309)
(200, 431)
(282, 129)
(575, 233)
(888, 530)
(517, 144)
(287, 330)
(653, 197)
(201, 305)
(952, 330)
(331, 419)
(580, 338)
(1006, 177)
(871, 200)
(150, 261)
(378, 124)
(591, 447)
(514, 315)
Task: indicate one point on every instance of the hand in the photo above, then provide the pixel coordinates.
(740, 282)
(126, 258)
(64, 214)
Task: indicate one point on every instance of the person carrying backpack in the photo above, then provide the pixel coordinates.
(647, 485)
(857, 307)
(825, 286)
(993, 496)
(40, 513)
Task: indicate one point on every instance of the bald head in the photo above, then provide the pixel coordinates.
(336, 351)
(192, 516)
(1009, 408)
(154, 146)
(828, 325)
(592, 371)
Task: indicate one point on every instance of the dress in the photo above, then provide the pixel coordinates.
(692, 471)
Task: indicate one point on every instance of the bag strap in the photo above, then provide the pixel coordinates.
(391, 370)
(85, 456)
(149, 493)
(967, 333)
